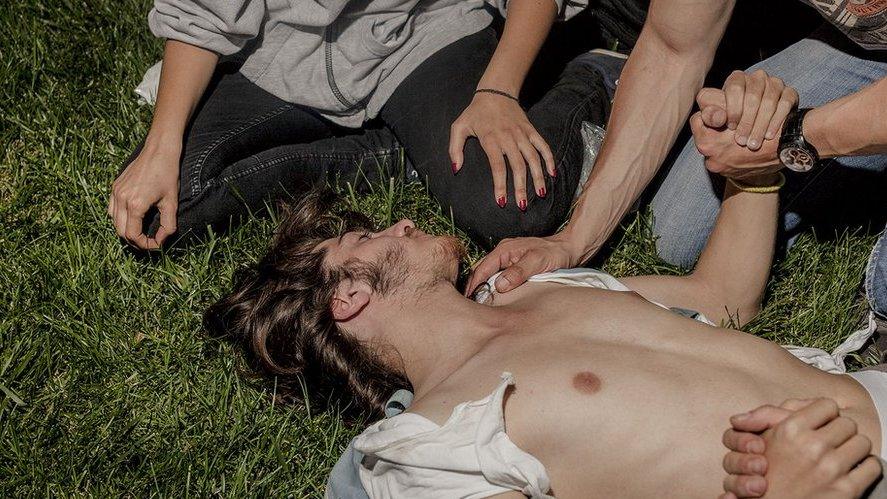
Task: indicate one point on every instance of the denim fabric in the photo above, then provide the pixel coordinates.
(607, 63)
(344, 480)
(245, 147)
(876, 278)
(841, 192)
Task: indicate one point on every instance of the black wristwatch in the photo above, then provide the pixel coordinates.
(795, 153)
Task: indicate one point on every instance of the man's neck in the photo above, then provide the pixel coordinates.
(438, 332)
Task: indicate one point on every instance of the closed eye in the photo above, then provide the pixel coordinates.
(364, 235)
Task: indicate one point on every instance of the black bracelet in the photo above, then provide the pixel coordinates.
(497, 92)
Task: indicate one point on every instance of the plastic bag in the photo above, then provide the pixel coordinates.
(147, 89)
(592, 138)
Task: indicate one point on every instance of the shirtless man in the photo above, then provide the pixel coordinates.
(613, 394)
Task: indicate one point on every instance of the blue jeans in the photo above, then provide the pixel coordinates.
(839, 192)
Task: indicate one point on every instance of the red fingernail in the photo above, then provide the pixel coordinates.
(501, 202)
(541, 192)
(554, 174)
(455, 170)
(522, 205)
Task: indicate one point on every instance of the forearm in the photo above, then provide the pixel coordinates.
(185, 75)
(853, 125)
(526, 29)
(655, 95)
(735, 264)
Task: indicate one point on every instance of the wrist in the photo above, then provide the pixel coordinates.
(814, 129)
(163, 144)
(511, 85)
(575, 245)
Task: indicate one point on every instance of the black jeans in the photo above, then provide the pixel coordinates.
(245, 147)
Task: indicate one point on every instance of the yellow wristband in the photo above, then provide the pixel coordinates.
(759, 189)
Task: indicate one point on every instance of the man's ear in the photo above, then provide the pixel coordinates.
(349, 299)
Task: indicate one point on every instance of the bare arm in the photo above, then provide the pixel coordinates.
(526, 29)
(655, 95)
(731, 274)
(853, 125)
(185, 75)
(152, 179)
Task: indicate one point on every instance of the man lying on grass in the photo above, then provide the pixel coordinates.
(602, 389)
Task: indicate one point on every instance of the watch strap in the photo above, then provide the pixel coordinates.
(792, 137)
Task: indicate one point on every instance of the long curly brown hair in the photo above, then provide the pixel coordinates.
(279, 311)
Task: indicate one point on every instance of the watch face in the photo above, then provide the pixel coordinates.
(796, 159)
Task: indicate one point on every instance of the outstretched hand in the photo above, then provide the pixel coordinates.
(504, 132)
(521, 258)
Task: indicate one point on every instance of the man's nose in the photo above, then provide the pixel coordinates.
(402, 227)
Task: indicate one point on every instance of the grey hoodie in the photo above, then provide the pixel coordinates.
(342, 58)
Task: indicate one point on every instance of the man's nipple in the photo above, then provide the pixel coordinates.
(586, 383)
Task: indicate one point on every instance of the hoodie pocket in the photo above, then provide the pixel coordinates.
(373, 37)
(385, 35)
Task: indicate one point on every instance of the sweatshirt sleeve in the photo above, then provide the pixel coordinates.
(565, 8)
(223, 26)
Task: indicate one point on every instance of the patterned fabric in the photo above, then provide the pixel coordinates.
(863, 21)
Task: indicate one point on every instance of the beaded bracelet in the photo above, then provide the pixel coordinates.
(497, 92)
(759, 189)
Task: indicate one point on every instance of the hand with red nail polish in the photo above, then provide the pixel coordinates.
(510, 142)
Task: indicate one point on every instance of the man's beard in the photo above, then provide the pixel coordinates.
(446, 259)
(392, 272)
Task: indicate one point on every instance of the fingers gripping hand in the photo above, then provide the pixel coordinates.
(712, 104)
(150, 180)
(504, 133)
(816, 452)
(746, 463)
(756, 106)
(724, 156)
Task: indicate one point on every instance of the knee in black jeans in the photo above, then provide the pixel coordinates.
(469, 197)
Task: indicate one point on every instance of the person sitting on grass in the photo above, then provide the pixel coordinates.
(574, 384)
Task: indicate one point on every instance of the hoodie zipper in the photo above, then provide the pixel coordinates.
(330, 77)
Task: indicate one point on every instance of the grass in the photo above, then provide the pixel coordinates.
(108, 386)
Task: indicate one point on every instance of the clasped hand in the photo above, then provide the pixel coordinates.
(737, 127)
(802, 449)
